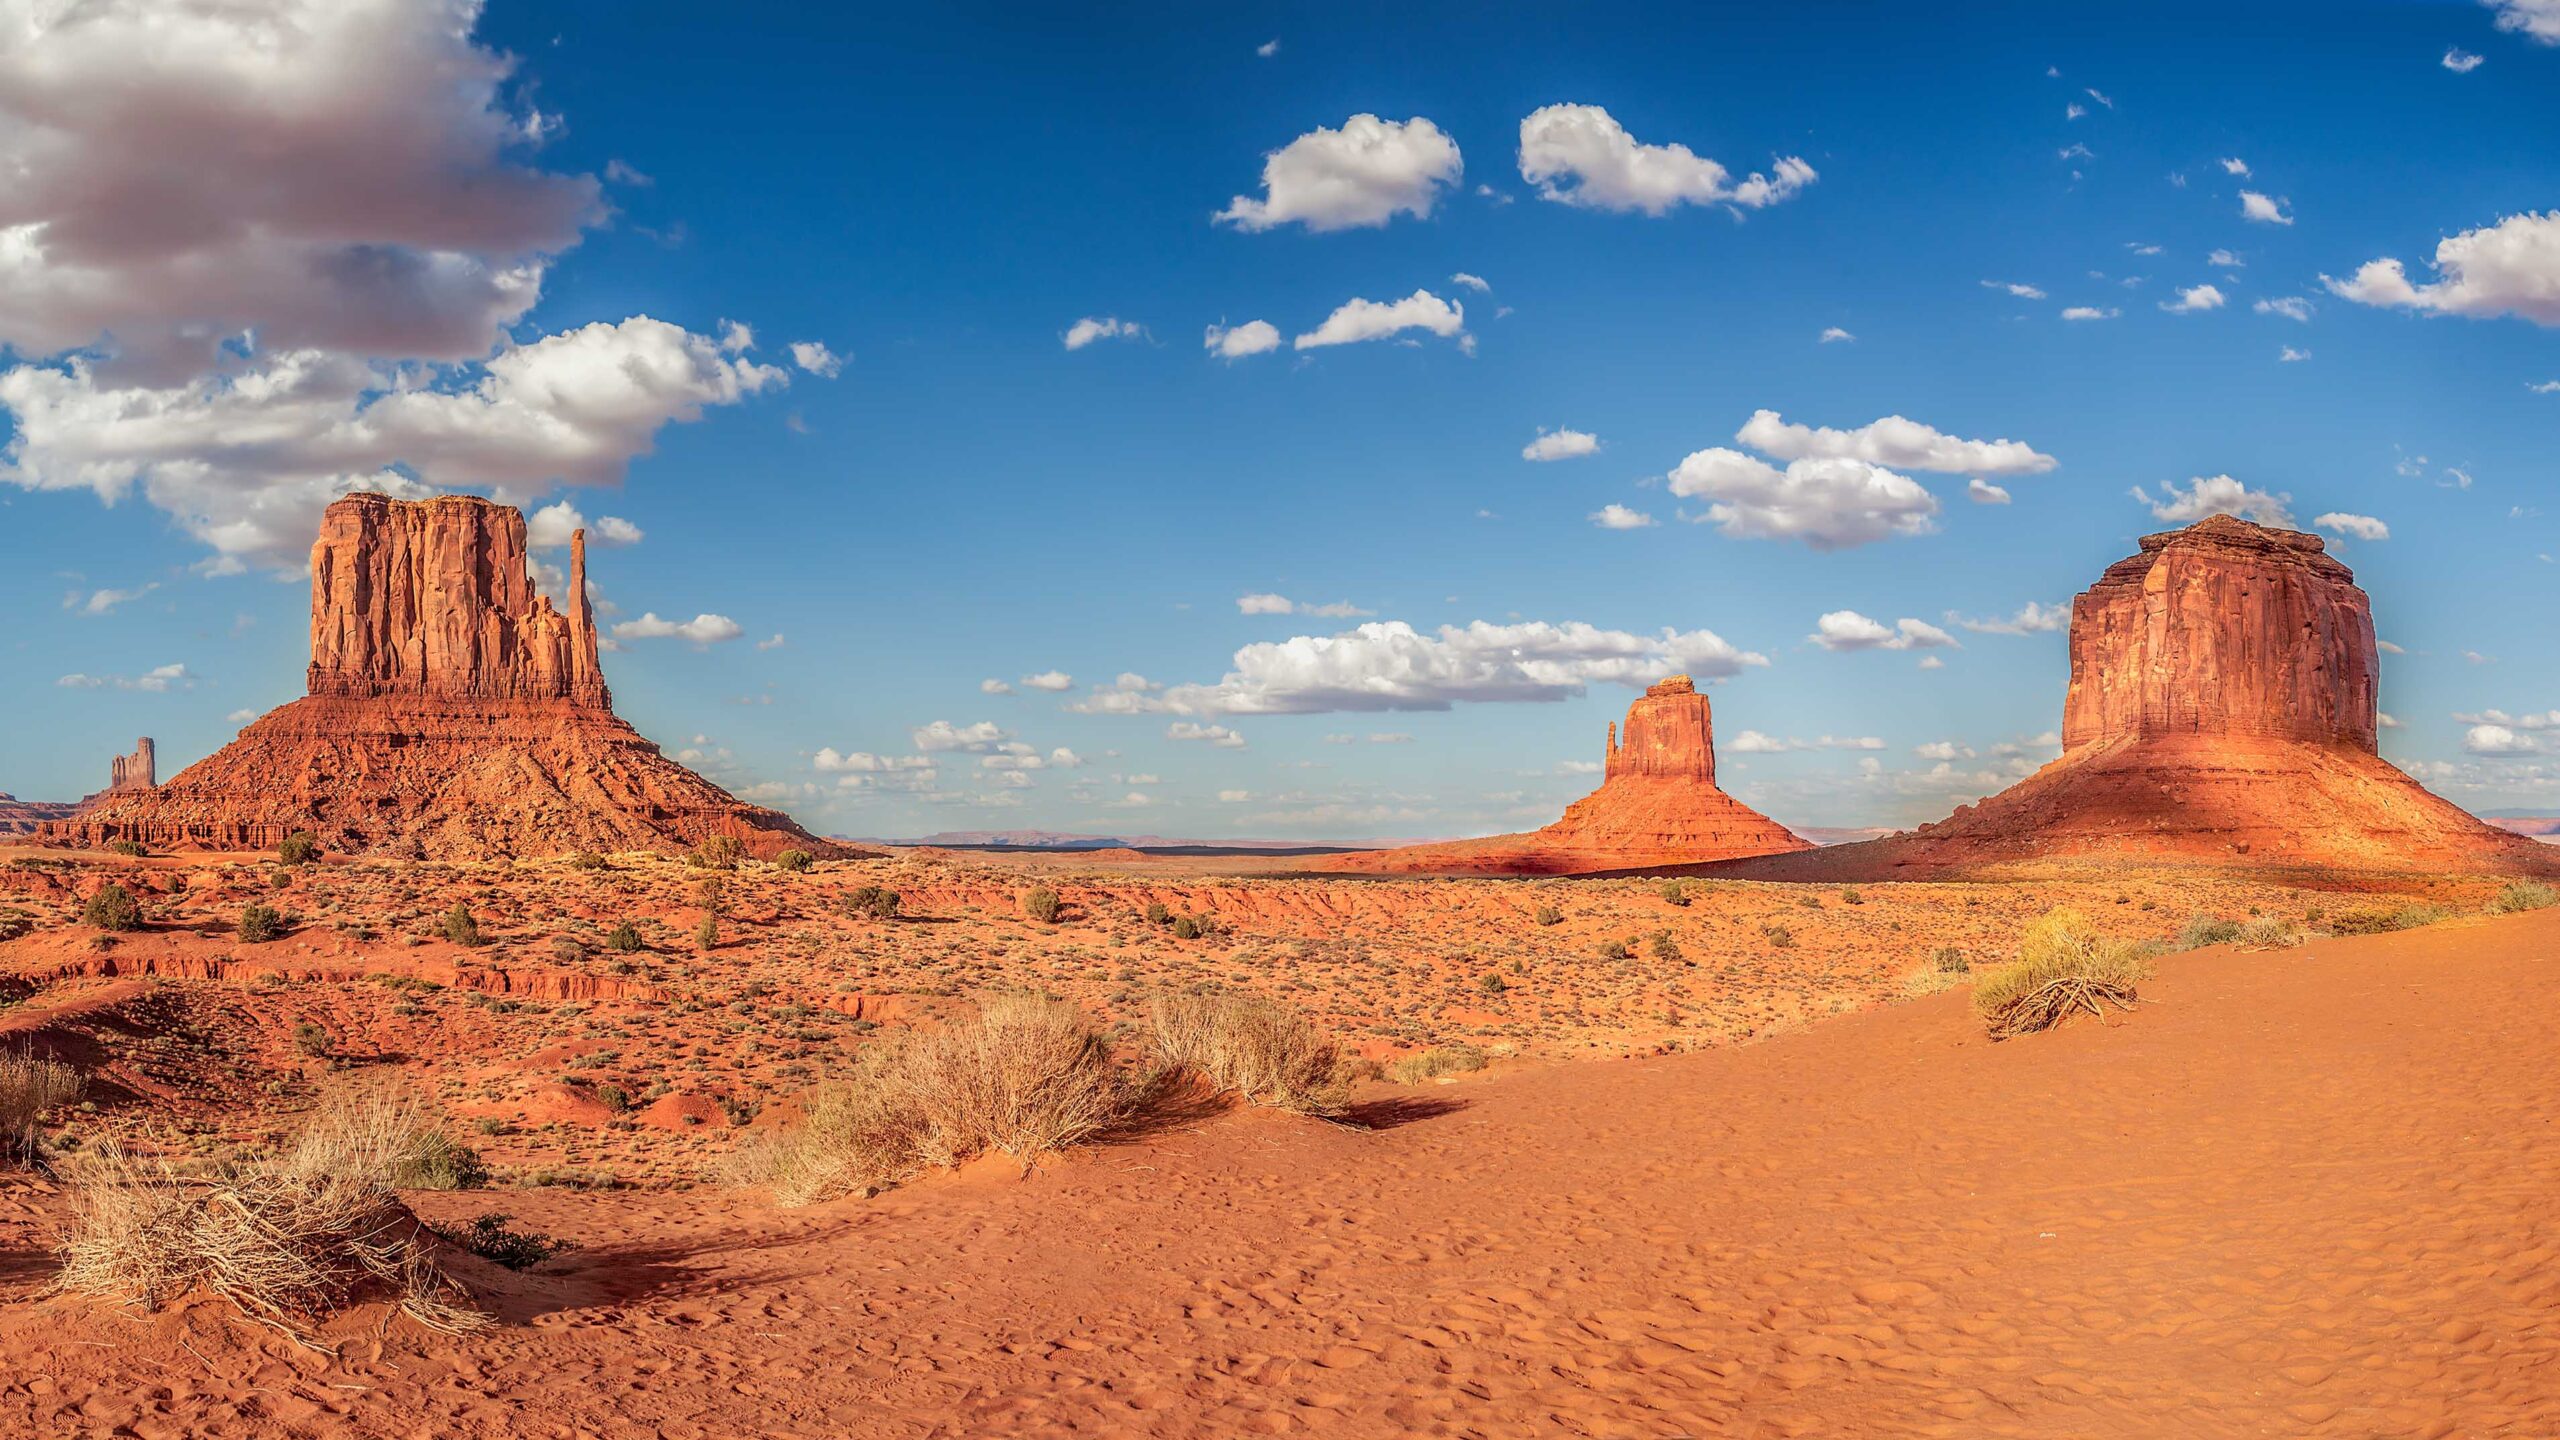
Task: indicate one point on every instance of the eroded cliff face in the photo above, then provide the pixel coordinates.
(2224, 628)
(431, 597)
(1657, 805)
(1670, 732)
(452, 713)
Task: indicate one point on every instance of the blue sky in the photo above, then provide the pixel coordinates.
(939, 197)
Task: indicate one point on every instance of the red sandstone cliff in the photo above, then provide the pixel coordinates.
(1657, 805)
(2223, 709)
(452, 713)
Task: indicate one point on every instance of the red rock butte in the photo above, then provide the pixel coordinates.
(2224, 709)
(1657, 805)
(452, 713)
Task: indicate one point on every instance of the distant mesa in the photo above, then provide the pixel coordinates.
(1657, 805)
(25, 817)
(452, 713)
(2223, 709)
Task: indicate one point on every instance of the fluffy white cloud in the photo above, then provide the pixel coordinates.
(103, 602)
(1619, 517)
(157, 680)
(1560, 445)
(556, 524)
(816, 358)
(2089, 312)
(1108, 327)
(701, 629)
(1581, 155)
(2193, 299)
(2031, 619)
(1366, 173)
(2460, 61)
(1833, 334)
(993, 686)
(2233, 165)
(863, 762)
(1216, 735)
(1253, 337)
(2263, 209)
(1849, 630)
(1269, 604)
(332, 174)
(1476, 283)
(2547, 720)
(2217, 495)
(1892, 441)
(2534, 19)
(2512, 267)
(1359, 320)
(1052, 681)
(1983, 492)
(1829, 504)
(2497, 740)
(984, 737)
(1388, 665)
(2362, 527)
(245, 461)
(2291, 307)
(2288, 355)
(2023, 292)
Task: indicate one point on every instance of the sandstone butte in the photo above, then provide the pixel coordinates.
(452, 712)
(1657, 805)
(2223, 709)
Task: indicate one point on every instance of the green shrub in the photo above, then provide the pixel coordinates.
(586, 860)
(127, 848)
(1664, 947)
(1435, 1062)
(795, 861)
(299, 848)
(1615, 950)
(1185, 928)
(259, 924)
(1951, 961)
(112, 909)
(625, 938)
(720, 852)
(874, 902)
(1675, 892)
(1779, 936)
(488, 1237)
(613, 1098)
(1157, 914)
(2064, 967)
(1550, 915)
(310, 1039)
(2523, 895)
(1042, 904)
(460, 927)
(2203, 930)
(2268, 932)
(706, 935)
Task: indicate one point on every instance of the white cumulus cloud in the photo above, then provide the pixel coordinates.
(2217, 495)
(2362, 527)
(2263, 209)
(1893, 441)
(1107, 327)
(1581, 155)
(1619, 517)
(701, 629)
(1253, 337)
(1366, 173)
(1829, 504)
(1560, 444)
(2193, 299)
(1357, 320)
(2512, 267)
(1848, 630)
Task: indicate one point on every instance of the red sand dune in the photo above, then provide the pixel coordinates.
(2300, 1193)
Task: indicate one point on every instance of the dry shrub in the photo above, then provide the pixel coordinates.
(383, 1139)
(2063, 968)
(1260, 1050)
(2268, 932)
(28, 1088)
(1435, 1062)
(285, 1249)
(2523, 895)
(1024, 1077)
(2413, 916)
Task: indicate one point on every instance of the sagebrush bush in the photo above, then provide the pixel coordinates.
(625, 938)
(2523, 895)
(1042, 904)
(461, 927)
(488, 1237)
(873, 902)
(1674, 892)
(2203, 930)
(299, 848)
(129, 849)
(29, 1087)
(2268, 932)
(794, 861)
(1549, 915)
(112, 908)
(382, 1138)
(1257, 1049)
(720, 852)
(1435, 1062)
(1024, 1077)
(2413, 916)
(2063, 967)
(259, 924)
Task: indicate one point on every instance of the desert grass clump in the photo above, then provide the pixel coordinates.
(112, 908)
(2268, 932)
(381, 1138)
(285, 1248)
(2414, 916)
(1042, 904)
(1025, 1077)
(2522, 895)
(1549, 915)
(1257, 1049)
(2203, 930)
(2064, 967)
(1944, 971)
(1435, 1062)
(29, 1087)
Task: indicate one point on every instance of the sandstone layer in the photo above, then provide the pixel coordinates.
(137, 771)
(1657, 805)
(453, 712)
(2223, 709)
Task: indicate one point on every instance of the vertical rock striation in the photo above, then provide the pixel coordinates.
(137, 771)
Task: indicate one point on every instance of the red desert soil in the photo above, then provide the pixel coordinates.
(2303, 1192)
